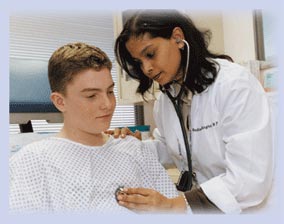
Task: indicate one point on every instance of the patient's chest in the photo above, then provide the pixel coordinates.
(88, 180)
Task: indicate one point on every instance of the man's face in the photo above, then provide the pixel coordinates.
(89, 101)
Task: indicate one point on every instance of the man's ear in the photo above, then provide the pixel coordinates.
(58, 101)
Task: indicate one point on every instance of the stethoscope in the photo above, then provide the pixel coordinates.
(176, 101)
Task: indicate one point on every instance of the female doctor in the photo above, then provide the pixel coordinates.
(213, 120)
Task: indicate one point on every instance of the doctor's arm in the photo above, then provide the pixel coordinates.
(248, 148)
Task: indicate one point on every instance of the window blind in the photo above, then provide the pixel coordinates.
(38, 35)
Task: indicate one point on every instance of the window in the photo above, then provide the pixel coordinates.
(37, 35)
(265, 35)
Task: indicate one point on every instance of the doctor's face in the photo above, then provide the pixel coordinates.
(89, 101)
(159, 58)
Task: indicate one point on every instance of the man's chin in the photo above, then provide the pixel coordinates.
(104, 128)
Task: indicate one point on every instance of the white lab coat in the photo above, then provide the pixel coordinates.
(231, 139)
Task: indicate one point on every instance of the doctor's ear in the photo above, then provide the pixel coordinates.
(178, 36)
(58, 101)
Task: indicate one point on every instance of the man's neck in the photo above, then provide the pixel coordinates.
(82, 137)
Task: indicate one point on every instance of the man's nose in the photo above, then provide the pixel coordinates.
(106, 102)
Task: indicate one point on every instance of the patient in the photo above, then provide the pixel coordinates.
(80, 169)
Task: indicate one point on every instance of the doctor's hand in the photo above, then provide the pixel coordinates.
(148, 200)
(123, 132)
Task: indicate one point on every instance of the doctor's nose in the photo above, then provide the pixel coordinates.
(147, 68)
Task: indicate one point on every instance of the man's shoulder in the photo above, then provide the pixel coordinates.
(32, 150)
(129, 145)
(128, 140)
(39, 144)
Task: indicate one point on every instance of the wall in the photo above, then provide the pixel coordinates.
(239, 39)
(212, 21)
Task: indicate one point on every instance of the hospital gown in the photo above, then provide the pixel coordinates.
(59, 175)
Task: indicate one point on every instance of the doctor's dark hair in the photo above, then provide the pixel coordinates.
(160, 23)
(67, 61)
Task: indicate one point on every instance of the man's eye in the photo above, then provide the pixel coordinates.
(91, 96)
(110, 92)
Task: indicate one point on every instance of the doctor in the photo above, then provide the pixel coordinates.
(213, 120)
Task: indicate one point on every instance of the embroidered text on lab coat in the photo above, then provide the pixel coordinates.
(214, 124)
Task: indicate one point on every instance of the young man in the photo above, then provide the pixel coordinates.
(80, 169)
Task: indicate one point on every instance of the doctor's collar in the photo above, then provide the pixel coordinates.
(174, 89)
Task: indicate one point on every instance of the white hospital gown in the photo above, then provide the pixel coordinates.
(59, 175)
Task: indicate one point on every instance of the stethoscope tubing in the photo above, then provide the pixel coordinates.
(176, 103)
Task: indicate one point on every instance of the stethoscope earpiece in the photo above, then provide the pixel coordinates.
(178, 40)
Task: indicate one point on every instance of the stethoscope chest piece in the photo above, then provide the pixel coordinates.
(119, 191)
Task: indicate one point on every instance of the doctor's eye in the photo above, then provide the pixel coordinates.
(150, 55)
